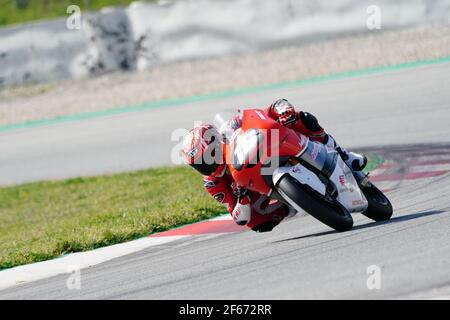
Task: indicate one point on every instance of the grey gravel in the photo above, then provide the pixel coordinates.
(385, 47)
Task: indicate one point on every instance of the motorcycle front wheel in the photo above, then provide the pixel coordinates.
(379, 207)
(332, 214)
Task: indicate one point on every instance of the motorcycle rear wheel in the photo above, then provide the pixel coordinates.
(333, 215)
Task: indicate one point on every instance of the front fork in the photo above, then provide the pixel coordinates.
(362, 179)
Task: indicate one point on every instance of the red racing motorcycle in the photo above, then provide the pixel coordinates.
(271, 159)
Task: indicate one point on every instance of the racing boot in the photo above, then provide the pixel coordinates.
(355, 161)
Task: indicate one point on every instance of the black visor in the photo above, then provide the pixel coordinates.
(205, 169)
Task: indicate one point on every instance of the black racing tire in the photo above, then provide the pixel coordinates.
(332, 214)
(379, 207)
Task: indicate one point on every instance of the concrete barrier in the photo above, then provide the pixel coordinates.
(145, 34)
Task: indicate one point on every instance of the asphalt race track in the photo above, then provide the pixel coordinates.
(402, 107)
(403, 116)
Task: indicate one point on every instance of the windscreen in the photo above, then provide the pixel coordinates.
(227, 123)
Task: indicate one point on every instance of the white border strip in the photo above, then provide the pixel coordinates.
(64, 265)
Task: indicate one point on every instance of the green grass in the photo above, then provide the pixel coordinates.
(44, 220)
(17, 11)
(39, 221)
(374, 161)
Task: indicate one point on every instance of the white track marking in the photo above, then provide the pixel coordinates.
(41, 270)
(46, 269)
(222, 218)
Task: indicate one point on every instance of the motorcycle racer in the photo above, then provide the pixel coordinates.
(203, 150)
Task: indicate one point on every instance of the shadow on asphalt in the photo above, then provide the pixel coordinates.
(370, 224)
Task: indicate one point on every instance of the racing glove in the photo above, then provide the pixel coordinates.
(283, 111)
(242, 212)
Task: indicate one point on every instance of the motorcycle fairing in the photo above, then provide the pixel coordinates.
(301, 174)
(349, 193)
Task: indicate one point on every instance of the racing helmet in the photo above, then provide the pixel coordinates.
(202, 150)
